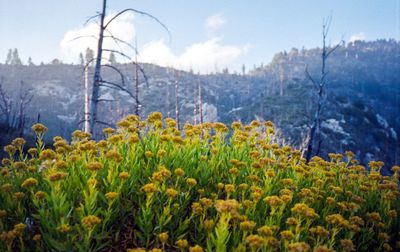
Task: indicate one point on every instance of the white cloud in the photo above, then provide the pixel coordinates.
(204, 56)
(215, 21)
(357, 36)
(121, 28)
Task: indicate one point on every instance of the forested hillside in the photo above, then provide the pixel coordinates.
(361, 112)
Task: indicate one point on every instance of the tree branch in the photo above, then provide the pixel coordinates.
(141, 13)
(309, 77)
(133, 62)
(117, 40)
(105, 100)
(104, 123)
(92, 17)
(118, 71)
(117, 87)
(83, 36)
(334, 48)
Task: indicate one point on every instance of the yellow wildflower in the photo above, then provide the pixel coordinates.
(19, 195)
(123, 175)
(196, 248)
(47, 155)
(29, 182)
(37, 237)
(287, 235)
(255, 241)
(182, 243)
(265, 231)
(148, 154)
(299, 247)
(247, 225)
(227, 206)
(171, 193)
(347, 245)
(39, 128)
(110, 196)
(191, 181)
(89, 222)
(149, 188)
(209, 225)
(63, 228)
(94, 166)
(163, 237)
(40, 195)
(57, 176)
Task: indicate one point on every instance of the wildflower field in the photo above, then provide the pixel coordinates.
(150, 187)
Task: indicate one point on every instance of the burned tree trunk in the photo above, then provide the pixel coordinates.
(177, 111)
(97, 72)
(200, 103)
(195, 115)
(315, 131)
(137, 107)
(86, 108)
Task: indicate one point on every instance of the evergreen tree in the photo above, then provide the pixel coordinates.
(55, 62)
(89, 55)
(112, 59)
(9, 57)
(15, 60)
(81, 60)
(30, 62)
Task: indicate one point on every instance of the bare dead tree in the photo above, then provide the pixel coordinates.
(195, 115)
(200, 102)
(97, 79)
(25, 97)
(137, 112)
(86, 107)
(315, 130)
(14, 113)
(5, 104)
(281, 78)
(177, 110)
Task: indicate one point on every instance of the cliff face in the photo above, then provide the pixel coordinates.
(361, 110)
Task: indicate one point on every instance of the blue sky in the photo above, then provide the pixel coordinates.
(205, 34)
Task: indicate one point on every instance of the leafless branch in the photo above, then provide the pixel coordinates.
(310, 77)
(104, 123)
(133, 62)
(334, 48)
(105, 100)
(92, 17)
(141, 13)
(117, 40)
(83, 36)
(116, 86)
(118, 71)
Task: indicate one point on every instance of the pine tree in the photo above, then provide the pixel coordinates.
(30, 62)
(9, 57)
(112, 59)
(89, 56)
(15, 60)
(81, 60)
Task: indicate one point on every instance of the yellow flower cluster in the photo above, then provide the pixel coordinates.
(158, 188)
